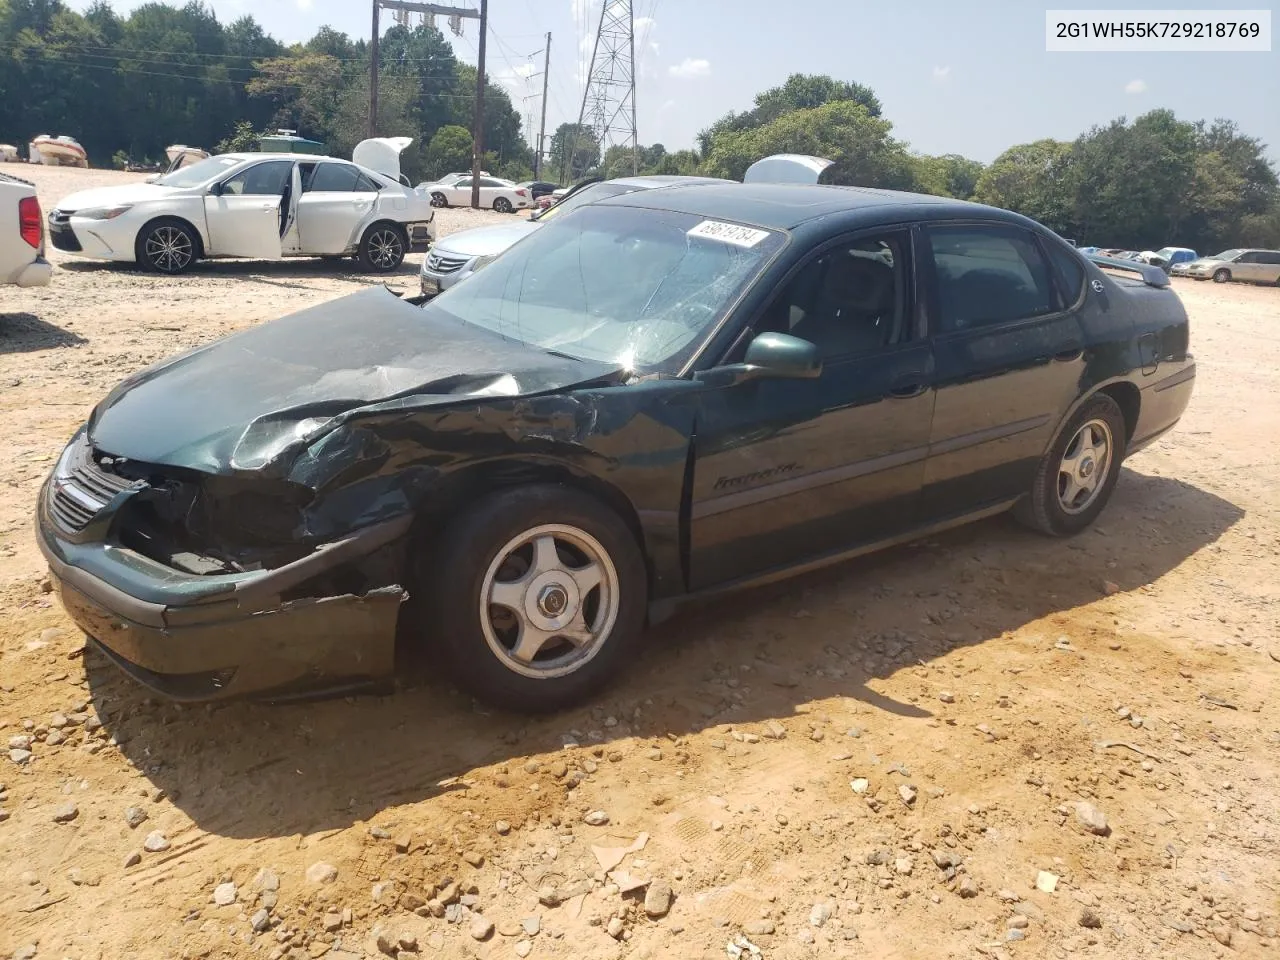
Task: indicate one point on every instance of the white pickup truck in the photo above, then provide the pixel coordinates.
(22, 259)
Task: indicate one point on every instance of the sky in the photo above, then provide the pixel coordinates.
(971, 78)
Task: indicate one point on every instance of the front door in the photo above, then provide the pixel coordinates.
(244, 217)
(1010, 360)
(336, 197)
(788, 470)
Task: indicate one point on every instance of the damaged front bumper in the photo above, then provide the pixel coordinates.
(193, 638)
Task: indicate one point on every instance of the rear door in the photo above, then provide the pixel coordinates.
(788, 470)
(1010, 361)
(244, 217)
(1270, 262)
(336, 197)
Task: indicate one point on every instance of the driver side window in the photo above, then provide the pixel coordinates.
(262, 179)
(849, 301)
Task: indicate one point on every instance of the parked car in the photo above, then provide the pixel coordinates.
(539, 188)
(501, 195)
(1253, 266)
(259, 205)
(22, 259)
(654, 398)
(459, 255)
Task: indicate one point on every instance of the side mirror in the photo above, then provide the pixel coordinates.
(770, 355)
(216, 189)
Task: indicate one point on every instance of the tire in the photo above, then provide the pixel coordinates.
(502, 205)
(493, 544)
(1221, 276)
(1051, 506)
(167, 245)
(439, 200)
(382, 248)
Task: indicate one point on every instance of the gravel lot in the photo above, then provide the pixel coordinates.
(987, 744)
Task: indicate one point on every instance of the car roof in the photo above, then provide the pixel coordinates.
(284, 156)
(783, 206)
(663, 180)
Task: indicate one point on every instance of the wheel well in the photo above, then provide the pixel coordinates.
(195, 232)
(466, 486)
(1129, 399)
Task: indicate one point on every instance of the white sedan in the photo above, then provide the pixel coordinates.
(258, 205)
(22, 259)
(502, 195)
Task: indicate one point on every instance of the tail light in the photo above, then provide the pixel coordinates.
(521, 193)
(29, 223)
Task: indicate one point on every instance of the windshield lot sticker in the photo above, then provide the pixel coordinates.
(728, 233)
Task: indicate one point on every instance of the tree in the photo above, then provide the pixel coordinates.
(799, 92)
(581, 140)
(450, 151)
(843, 131)
(1031, 179)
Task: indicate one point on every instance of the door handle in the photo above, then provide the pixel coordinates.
(908, 387)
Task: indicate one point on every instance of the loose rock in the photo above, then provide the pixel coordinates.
(657, 899)
(66, 813)
(156, 842)
(475, 858)
(968, 888)
(481, 928)
(523, 949)
(615, 928)
(820, 914)
(1222, 935)
(132, 860)
(859, 785)
(260, 921)
(1089, 919)
(596, 818)
(502, 827)
(322, 873)
(904, 866)
(224, 894)
(1092, 819)
(946, 697)
(760, 928)
(908, 793)
(19, 756)
(134, 816)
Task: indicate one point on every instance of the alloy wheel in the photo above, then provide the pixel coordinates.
(549, 601)
(386, 250)
(1082, 474)
(168, 249)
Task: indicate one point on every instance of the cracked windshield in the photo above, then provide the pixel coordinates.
(558, 288)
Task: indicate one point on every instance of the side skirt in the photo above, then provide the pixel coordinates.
(661, 610)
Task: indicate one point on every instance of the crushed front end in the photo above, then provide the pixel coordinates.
(205, 586)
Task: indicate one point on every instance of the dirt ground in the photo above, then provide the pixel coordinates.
(887, 759)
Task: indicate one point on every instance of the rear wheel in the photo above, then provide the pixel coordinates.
(167, 246)
(537, 594)
(1221, 275)
(502, 205)
(1075, 478)
(382, 248)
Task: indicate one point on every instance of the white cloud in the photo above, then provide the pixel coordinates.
(303, 4)
(690, 67)
(942, 74)
(1136, 86)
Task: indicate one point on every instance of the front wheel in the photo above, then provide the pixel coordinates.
(1221, 276)
(382, 249)
(167, 246)
(439, 200)
(1075, 478)
(502, 205)
(537, 594)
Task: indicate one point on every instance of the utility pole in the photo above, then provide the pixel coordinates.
(478, 136)
(456, 15)
(542, 129)
(373, 73)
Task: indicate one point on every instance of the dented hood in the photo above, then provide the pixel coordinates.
(247, 399)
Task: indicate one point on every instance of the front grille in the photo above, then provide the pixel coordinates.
(439, 263)
(81, 488)
(60, 233)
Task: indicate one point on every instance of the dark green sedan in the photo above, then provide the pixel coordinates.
(655, 398)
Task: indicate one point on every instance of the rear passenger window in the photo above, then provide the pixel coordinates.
(1070, 270)
(333, 178)
(988, 275)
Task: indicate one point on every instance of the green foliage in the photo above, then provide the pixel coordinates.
(585, 148)
(175, 74)
(1031, 179)
(450, 151)
(242, 139)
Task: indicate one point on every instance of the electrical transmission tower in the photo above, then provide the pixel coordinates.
(609, 100)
